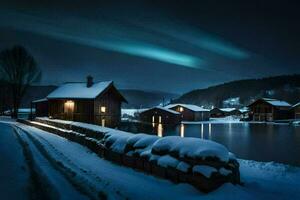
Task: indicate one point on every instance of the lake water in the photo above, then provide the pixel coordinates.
(252, 141)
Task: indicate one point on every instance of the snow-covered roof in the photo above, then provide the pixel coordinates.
(79, 90)
(39, 100)
(297, 104)
(165, 109)
(227, 109)
(242, 110)
(276, 102)
(188, 106)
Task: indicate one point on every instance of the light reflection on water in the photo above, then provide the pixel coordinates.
(182, 130)
(262, 142)
(160, 130)
(202, 131)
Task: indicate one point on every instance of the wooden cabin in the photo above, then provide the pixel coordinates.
(231, 111)
(216, 112)
(97, 103)
(266, 109)
(190, 112)
(224, 112)
(296, 110)
(160, 115)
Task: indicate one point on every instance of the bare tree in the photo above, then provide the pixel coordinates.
(19, 70)
(5, 96)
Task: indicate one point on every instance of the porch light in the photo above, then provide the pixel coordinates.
(181, 109)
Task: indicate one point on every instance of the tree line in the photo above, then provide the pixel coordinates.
(285, 87)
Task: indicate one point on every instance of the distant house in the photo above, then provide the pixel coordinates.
(160, 115)
(216, 112)
(244, 112)
(231, 111)
(296, 110)
(223, 112)
(190, 112)
(98, 103)
(266, 109)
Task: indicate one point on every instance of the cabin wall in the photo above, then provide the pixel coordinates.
(202, 116)
(297, 112)
(282, 114)
(83, 110)
(112, 115)
(187, 114)
(160, 117)
(217, 113)
(41, 109)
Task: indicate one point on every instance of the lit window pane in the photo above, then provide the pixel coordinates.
(103, 109)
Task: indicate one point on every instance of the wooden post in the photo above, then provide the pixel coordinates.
(31, 118)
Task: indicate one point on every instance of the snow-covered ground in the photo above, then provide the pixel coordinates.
(71, 171)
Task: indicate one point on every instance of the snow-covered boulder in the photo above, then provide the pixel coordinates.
(191, 148)
(203, 163)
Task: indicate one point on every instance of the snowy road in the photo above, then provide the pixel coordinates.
(56, 168)
(14, 177)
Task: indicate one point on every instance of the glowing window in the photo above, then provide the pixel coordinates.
(69, 106)
(103, 109)
(181, 109)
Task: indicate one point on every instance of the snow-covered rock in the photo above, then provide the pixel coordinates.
(205, 170)
(193, 148)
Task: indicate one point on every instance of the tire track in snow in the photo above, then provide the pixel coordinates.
(39, 186)
(84, 180)
(51, 168)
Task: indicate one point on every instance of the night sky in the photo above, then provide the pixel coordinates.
(172, 46)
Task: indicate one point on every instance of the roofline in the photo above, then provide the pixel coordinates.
(184, 105)
(61, 98)
(111, 84)
(263, 99)
(84, 82)
(108, 87)
(164, 109)
(297, 104)
(39, 100)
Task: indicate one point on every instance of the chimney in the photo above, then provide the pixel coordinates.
(89, 81)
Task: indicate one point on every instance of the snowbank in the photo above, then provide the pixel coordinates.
(175, 158)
